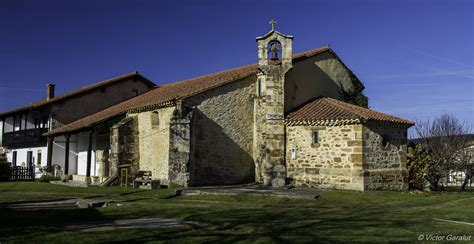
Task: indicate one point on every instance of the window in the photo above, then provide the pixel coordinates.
(293, 152)
(259, 87)
(29, 158)
(14, 158)
(155, 119)
(385, 140)
(134, 92)
(38, 158)
(314, 137)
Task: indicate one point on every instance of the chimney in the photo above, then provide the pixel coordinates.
(50, 91)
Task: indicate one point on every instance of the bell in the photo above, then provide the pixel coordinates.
(274, 49)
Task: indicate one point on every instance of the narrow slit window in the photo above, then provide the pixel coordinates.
(315, 137)
(259, 87)
(385, 140)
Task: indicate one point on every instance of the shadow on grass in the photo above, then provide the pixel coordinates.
(28, 225)
(456, 189)
(130, 193)
(94, 196)
(280, 224)
(7, 204)
(335, 217)
(135, 199)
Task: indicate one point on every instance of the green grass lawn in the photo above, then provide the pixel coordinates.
(336, 216)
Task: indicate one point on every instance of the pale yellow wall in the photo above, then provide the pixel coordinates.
(154, 142)
(321, 75)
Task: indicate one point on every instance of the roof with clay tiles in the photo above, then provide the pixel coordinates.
(79, 91)
(166, 95)
(330, 111)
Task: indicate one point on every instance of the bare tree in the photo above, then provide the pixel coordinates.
(445, 138)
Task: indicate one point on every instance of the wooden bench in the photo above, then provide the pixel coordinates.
(144, 180)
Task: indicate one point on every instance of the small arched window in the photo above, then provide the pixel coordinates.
(155, 119)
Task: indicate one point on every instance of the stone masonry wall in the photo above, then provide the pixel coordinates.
(334, 162)
(222, 134)
(124, 146)
(180, 166)
(154, 138)
(385, 165)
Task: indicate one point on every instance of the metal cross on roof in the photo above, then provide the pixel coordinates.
(273, 23)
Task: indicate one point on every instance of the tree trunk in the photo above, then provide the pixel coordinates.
(466, 179)
(434, 184)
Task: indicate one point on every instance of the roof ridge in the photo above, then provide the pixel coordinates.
(209, 75)
(77, 91)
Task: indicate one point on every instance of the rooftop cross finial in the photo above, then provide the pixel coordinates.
(273, 23)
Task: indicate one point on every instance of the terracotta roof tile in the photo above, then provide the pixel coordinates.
(45, 102)
(330, 111)
(172, 92)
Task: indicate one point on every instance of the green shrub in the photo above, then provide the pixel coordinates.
(5, 172)
(418, 162)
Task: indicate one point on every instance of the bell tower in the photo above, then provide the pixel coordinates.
(274, 61)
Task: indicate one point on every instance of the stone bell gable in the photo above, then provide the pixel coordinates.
(274, 61)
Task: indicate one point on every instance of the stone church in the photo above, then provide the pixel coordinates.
(288, 120)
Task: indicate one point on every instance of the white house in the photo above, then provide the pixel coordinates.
(22, 128)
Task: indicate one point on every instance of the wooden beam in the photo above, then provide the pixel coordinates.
(66, 156)
(50, 154)
(14, 122)
(26, 120)
(89, 154)
(21, 122)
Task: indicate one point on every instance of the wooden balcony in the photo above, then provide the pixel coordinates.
(24, 138)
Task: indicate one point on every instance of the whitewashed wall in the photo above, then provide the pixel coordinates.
(77, 154)
(22, 153)
(82, 144)
(59, 147)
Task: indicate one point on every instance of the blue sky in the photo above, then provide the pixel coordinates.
(415, 58)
